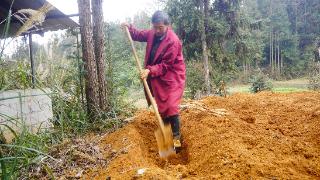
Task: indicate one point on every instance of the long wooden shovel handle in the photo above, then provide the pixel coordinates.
(146, 86)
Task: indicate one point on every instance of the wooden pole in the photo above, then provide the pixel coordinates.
(80, 69)
(32, 61)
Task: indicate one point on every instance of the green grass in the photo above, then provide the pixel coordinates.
(246, 89)
(290, 86)
(239, 89)
(288, 89)
(25, 150)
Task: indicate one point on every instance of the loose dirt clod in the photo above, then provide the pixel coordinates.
(244, 136)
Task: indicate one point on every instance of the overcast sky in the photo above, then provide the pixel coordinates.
(114, 10)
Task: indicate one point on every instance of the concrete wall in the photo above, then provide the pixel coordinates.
(29, 109)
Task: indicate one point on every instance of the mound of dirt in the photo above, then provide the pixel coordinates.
(244, 136)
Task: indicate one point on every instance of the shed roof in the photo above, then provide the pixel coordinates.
(55, 19)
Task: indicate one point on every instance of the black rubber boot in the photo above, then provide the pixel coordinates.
(175, 126)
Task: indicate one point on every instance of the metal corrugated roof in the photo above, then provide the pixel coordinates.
(55, 19)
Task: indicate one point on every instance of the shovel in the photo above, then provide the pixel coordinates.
(164, 133)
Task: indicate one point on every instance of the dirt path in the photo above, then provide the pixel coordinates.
(244, 136)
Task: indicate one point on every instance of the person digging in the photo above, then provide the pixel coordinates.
(165, 69)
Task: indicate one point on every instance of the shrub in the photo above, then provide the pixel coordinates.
(195, 79)
(314, 82)
(314, 76)
(260, 82)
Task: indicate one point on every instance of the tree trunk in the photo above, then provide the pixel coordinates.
(206, 15)
(244, 68)
(99, 47)
(271, 38)
(305, 17)
(278, 58)
(281, 62)
(272, 55)
(88, 57)
(109, 64)
(275, 53)
(204, 48)
(296, 18)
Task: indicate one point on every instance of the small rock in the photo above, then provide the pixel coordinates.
(140, 172)
(96, 148)
(124, 151)
(179, 176)
(79, 174)
(129, 120)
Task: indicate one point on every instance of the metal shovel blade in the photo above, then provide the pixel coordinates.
(165, 141)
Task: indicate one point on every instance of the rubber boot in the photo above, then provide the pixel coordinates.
(175, 126)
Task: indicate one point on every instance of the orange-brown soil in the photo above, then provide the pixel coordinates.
(244, 136)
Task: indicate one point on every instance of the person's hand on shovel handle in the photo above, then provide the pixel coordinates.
(124, 25)
(144, 74)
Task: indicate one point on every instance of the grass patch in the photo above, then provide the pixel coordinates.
(288, 89)
(246, 89)
(239, 89)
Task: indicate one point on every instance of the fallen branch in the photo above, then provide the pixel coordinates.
(201, 107)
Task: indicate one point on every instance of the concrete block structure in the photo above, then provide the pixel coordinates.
(30, 109)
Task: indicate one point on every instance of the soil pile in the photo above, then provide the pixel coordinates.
(266, 135)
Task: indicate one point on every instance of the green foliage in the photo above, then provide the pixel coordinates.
(224, 70)
(221, 32)
(14, 76)
(195, 79)
(314, 82)
(122, 74)
(238, 33)
(260, 82)
(314, 76)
